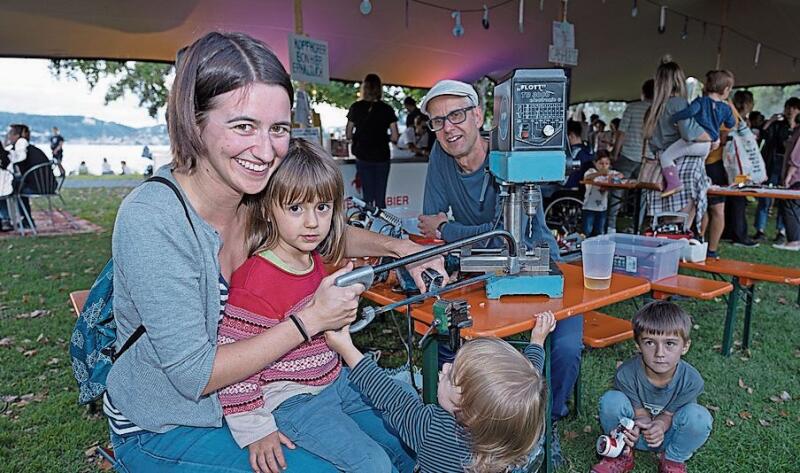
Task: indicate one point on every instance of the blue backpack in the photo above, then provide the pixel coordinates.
(92, 344)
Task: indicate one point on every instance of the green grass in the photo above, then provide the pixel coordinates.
(52, 432)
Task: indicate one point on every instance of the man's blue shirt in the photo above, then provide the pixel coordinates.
(448, 188)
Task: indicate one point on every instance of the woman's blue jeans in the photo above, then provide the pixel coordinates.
(691, 426)
(213, 449)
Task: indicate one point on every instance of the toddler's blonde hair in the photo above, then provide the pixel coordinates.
(502, 403)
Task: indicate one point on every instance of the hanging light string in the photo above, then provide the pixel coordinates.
(462, 10)
(727, 29)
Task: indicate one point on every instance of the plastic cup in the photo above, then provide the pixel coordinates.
(598, 259)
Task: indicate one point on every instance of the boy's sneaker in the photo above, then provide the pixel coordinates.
(759, 236)
(672, 180)
(710, 254)
(669, 466)
(746, 244)
(622, 464)
(780, 238)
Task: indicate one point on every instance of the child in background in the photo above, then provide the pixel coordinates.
(710, 112)
(659, 392)
(423, 137)
(595, 201)
(303, 398)
(491, 403)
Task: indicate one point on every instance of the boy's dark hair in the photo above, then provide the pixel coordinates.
(793, 102)
(741, 99)
(409, 101)
(601, 153)
(756, 116)
(648, 88)
(574, 127)
(717, 81)
(662, 318)
(615, 122)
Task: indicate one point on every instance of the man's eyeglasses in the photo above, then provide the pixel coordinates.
(455, 117)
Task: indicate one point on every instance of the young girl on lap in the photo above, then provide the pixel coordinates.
(295, 223)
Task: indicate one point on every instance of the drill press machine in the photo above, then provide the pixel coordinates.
(527, 147)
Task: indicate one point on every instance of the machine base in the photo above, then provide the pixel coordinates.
(548, 284)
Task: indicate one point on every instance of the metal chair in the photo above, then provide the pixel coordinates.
(39, 181)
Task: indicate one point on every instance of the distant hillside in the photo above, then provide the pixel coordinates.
(80, 129)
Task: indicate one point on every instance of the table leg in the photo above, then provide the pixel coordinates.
(637, 210)
(730, 319)
(430, 370)
(750, 294)
(548, 431)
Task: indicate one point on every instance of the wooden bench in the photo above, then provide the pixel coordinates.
(599, 331)
(78, 300)
(689, 286)
(743, 276)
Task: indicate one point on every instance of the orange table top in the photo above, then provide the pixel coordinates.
(513, 314)
(755, 192)
(685, 285)
(690, 286)
(751, 271)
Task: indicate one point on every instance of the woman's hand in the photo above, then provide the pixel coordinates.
(545, 323)
(266, 455)
(332, 307)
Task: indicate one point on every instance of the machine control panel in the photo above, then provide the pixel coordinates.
(530, 111)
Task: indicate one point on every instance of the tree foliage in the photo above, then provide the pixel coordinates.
(148, 82)
(145, 80)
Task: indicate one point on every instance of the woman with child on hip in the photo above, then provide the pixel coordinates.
(229, 127)
(686, 178)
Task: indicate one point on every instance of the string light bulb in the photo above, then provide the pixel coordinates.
(635, 9)
(365, 7)
(685, 32)
(485, 19)
(662, 20)
(458, 29)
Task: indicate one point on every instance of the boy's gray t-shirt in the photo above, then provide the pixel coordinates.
(685, 387)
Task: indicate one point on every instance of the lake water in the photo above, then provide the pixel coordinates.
(94, 154)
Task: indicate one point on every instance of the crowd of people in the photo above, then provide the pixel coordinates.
(689, 140)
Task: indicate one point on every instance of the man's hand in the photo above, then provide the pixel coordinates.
(545, 323)
(428, 224)
(407, 247)
(266, 455)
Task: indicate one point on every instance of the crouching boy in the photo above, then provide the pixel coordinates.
(659, 392)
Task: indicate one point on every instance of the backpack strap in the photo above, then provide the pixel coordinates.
(140, 330)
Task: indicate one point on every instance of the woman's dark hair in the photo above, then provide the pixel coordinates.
(22, 130)
(213, 65)
(371, 88)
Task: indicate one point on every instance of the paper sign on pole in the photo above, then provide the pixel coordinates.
(308, 134)
(563, 51)
(308, 59)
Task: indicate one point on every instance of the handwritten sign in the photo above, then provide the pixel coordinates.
(563, 51)
(308, 134)
(308, 59)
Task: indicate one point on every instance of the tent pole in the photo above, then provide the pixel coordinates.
(298, 16)
(725, 4)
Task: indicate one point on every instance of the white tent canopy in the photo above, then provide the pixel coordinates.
(414, 45)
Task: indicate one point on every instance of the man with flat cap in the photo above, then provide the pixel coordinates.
(459, 182)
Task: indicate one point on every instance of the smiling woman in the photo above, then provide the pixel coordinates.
(229, 122)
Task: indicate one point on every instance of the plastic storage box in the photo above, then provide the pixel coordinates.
(646, 257)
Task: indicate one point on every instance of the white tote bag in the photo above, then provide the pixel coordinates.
(742, 156)
(6, 183)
